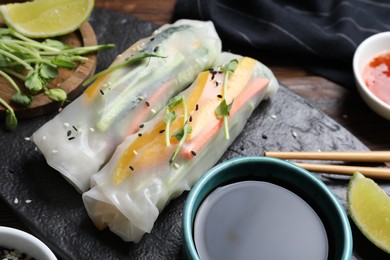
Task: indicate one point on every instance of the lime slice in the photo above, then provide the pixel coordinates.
(369, 208)
(46, 18)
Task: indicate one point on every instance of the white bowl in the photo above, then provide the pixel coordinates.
(12, 238)
(364, 53)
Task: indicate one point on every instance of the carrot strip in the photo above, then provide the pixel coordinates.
(196, 144)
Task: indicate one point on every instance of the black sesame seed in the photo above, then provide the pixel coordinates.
(71, 138)
(152, 39)
(131, 168)
(141, 126)
(74, 128)
(196, 107)
(264, 136)
(155, 49)
(147, 103)
(68, 133)
(161, 131)
(190, 119)
(101, 92)
(219, 96)
(193, 153)
(139, 134)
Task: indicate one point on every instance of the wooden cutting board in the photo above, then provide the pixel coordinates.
(68, 80)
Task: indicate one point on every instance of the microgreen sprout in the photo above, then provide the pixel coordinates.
(36, 63)
(181, 134)
(130, 60)
(223, 109)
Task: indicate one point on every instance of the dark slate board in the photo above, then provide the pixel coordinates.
(56, 213)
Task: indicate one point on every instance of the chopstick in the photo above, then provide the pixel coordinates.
(353, 156)
(368, 156)
(371, 172)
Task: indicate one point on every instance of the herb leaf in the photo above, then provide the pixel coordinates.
(223, 109)
(22, 99)
(181, 135)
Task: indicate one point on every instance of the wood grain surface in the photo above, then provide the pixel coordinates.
(343, 105)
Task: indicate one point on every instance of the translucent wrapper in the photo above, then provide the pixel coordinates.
(83, 136)
(170, 153)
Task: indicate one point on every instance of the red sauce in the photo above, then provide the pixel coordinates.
(376, 75)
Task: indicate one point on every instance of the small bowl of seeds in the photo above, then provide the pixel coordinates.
(20, 245)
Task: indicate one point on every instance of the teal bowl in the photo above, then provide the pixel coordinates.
(284, 174)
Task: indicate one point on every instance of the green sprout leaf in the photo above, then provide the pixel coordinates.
(11, 122)
(56, 94)
(180, 135)
(48, 72)
(173, 102)
(22, 99)
(223, 109)
(33, 82)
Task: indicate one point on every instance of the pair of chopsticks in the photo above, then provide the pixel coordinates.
(369, 156)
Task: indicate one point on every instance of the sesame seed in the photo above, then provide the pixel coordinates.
(74, 128)
(219, 96)
(147, 103)
(135, 152)
(141, 126)
(54, 151)
(71, 138)
(193, 153)
(27, 138)
(139, 134)
(28, 201)
(101, 92)
(66, 124)
(161, 131)
(176, 165)
(196, 107)
(273, 116)
(153, 111)
(16, 201)
(68, 133)
(190, 119)
(131, 168)
(92, 129)
(294, 134)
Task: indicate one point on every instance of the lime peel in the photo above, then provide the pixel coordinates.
(46, 18)
(369, 208)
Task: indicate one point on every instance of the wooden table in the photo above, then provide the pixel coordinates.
(343, 105)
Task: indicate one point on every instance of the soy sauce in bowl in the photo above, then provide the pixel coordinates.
(254, 220)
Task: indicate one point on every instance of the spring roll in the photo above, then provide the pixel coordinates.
(83, 136)
(174, 149)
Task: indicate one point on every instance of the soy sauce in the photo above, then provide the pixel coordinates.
(258, 220)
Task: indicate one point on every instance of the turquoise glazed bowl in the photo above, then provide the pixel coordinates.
(282, 173)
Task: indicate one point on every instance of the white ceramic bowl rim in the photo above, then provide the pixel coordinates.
(11, 238)
(365, 51)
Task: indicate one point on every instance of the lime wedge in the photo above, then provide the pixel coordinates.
(369, 208)
(46, 18)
